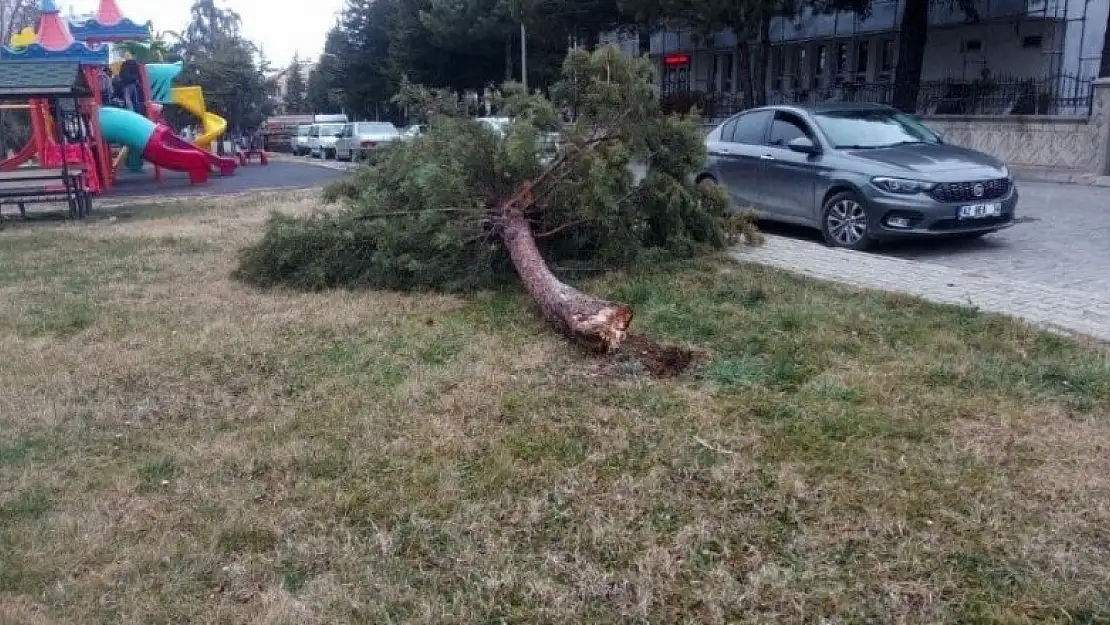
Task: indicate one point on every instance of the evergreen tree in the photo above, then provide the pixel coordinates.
(295, 89)
(224, 64)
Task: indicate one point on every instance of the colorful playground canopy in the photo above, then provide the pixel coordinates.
(56, 39)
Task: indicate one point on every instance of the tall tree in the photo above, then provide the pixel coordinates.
(326, 90)
(295, 88)
(212, 23)
(224, 64)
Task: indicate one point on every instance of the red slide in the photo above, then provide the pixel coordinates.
(166, 149)
(20, 157)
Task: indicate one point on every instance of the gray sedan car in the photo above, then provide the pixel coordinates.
(860, 173)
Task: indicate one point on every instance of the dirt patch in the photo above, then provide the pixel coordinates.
(657, 359)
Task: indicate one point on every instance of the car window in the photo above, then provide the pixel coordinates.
(726, 130)
(749, 127)
(785, 128)
(872, 128)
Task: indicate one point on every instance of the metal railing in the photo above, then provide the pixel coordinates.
(988, 95)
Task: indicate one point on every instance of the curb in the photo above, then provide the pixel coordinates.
(314, 162)
(1081, 179)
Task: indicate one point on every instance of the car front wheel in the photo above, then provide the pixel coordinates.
(844, 222)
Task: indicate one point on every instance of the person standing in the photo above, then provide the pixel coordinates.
(104, 81)
(131, 79)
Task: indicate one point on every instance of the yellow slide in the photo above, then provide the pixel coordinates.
(192, 99)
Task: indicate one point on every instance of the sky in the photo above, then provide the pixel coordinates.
(280, 27)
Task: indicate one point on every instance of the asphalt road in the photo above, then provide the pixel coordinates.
(276, 175)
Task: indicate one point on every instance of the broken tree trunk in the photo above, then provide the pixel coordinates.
(598, 324)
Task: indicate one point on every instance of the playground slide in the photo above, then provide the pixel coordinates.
(20, 157)
(158, 144)
(192, 99)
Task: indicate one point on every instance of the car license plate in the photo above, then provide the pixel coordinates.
(979, 211)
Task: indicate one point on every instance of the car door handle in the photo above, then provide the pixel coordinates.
(767, 157)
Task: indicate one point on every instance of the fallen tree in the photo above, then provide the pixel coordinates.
(466, 207)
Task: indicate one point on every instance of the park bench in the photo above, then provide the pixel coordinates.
(46, 184)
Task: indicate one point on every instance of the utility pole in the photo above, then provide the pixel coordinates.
(523, 55)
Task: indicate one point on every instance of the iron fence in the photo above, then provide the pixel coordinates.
(988, 95)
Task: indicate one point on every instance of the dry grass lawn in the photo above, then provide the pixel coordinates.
(178, 448)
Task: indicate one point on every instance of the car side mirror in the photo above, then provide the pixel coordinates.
(803, 145)
(339, 135)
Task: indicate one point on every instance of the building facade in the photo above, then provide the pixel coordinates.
(1020, 57)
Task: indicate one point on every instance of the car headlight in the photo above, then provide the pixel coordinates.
(1005, 172)
(901, 185)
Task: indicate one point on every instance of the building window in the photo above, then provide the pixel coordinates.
(841, 68)
(798, 70)
(863, 53)
(820, 65)
(971, 46)
(778, 69)
(886, 60)
(1032, 41)
(726, 73)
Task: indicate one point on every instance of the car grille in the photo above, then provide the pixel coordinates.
(965, 191)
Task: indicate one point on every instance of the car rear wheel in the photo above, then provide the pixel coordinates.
(844, 222)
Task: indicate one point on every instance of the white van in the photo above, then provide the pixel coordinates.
(300, 140)
(321, 141)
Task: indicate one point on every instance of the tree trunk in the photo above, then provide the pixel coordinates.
(761, 61)
(599, 325)
(744, 73)
(1104, 66)
(913, 34)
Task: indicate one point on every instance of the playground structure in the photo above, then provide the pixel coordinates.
(81, 132)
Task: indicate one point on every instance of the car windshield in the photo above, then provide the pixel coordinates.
(330, 130)
(867, 129)
(304, 131)
(376, 129)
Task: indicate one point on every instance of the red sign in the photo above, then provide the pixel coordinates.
(676, 59)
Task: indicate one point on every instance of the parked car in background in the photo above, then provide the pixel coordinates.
(361, 138)
(412, 132)
(548, 142)
(301, 145)
(859, 173)
(321, 142)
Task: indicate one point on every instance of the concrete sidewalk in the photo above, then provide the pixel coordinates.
(1068, 310)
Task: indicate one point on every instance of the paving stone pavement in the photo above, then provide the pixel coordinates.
(1083, 312)
(1063, 241)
